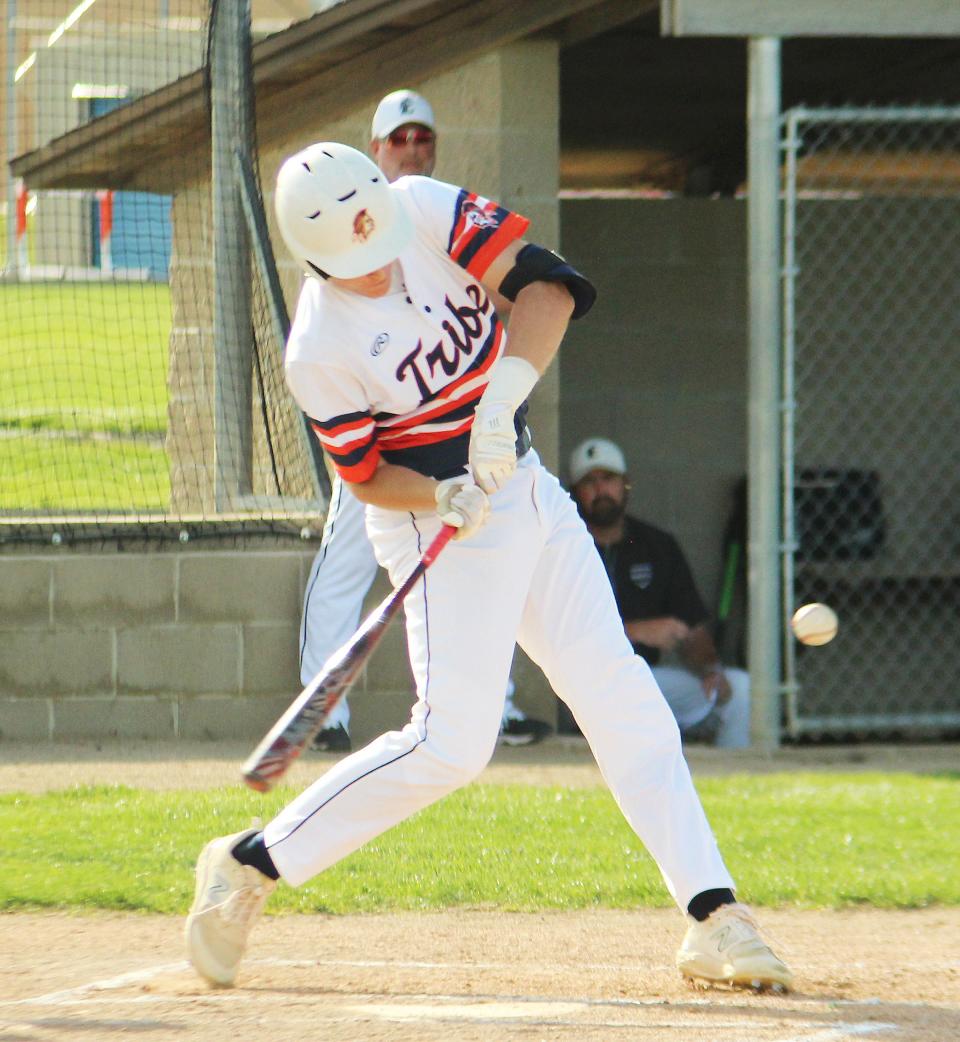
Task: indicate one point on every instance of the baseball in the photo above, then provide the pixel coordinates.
(814, 624)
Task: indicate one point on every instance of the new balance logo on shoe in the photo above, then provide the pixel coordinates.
(727, 949)
(723, 939)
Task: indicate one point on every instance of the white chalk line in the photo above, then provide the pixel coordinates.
(489, 1008)
(842, 1031)
(65, 997)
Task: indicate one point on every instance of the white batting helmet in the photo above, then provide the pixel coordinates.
(336, 211)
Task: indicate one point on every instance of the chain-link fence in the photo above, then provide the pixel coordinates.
(141, 341)
(872, 417)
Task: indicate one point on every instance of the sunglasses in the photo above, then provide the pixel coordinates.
(411, 136)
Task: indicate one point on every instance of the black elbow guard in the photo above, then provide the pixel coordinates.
(537, 264)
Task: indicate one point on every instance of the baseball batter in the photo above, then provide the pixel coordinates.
(401, 361)
(402, 141)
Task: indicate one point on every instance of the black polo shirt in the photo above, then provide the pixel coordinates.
(651, 578)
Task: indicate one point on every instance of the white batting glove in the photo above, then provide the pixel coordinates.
(493, 437)
(462, 504)
(493, 446)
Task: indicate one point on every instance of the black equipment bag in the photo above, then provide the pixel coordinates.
(839, 514)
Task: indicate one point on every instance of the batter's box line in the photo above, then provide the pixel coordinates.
(80, 994)
(841, 1032)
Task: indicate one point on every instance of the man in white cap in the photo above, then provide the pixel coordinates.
(403, 141)
(404, 135)
(659, 603)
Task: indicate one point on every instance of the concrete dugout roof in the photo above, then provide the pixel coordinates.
(357, 50)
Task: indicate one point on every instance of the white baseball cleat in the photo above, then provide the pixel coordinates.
(228, 901)
(727, 949)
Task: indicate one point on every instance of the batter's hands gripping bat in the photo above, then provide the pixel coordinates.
(289, 736)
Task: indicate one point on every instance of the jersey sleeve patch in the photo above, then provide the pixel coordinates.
(481, 231)
(350, 440)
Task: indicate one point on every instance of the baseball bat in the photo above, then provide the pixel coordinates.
(289, 736)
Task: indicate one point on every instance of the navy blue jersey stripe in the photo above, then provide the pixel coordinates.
(468, 408)
(458, 207)
(351, 459)
(438, 459)
(338, 421)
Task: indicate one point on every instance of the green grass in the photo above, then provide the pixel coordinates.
(808, 840)
(48, 474)
(91, 361)
(85, 357)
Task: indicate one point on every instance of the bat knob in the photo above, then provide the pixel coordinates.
(257, 782)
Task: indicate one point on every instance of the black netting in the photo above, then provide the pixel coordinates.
(142, 328)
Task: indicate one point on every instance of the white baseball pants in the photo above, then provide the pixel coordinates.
(530, 575)
(342, 572)
(684, 694)
(341, 575)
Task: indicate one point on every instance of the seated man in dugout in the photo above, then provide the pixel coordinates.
(662, 611)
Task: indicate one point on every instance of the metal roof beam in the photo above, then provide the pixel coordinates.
(810, 18)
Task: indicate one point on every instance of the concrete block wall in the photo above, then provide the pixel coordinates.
(660, 364)
(199, 644)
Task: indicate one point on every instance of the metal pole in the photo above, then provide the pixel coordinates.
(789, 545)
(12, 143)
(233, 328)
(763, 252)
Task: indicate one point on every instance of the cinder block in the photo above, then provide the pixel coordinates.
(271, 659)
(388, 668)
(216, 717)
(373, 713)
(179, 660)
(239, 587)
(712, 231)
(530, 84)
(25, 590)
(24, 719)
(463, 97)
(533, 694)
(54, 663)
(123, 717)
(111, 589)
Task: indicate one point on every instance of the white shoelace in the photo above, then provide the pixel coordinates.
(242, 905)
(743, 913)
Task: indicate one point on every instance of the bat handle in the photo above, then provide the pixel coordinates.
(446, 533)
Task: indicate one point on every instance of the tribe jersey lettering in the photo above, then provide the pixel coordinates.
(398, 377)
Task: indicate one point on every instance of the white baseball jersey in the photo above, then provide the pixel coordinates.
(399, 377)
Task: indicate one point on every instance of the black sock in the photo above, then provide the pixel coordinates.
(253, 851)
(709, 901)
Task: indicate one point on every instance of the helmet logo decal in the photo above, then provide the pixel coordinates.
(363, 226)
(406, 106)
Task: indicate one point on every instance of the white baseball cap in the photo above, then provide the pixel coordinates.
(596, 454)
(402, 106)
(337, 211)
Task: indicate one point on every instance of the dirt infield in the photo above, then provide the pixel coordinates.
(476, 976)
(466, 976)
